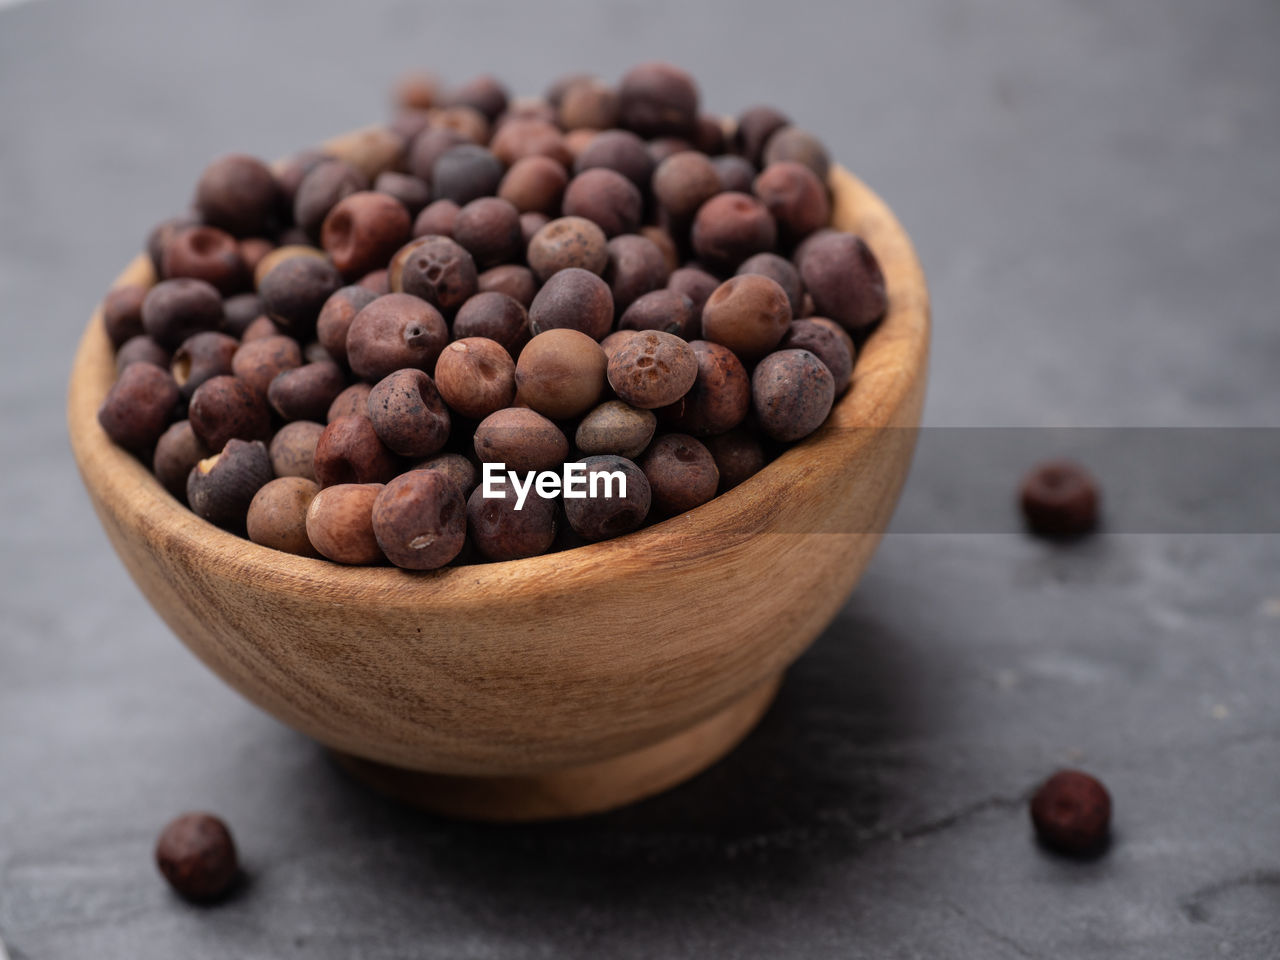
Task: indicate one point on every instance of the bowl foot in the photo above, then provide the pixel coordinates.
(572, 791)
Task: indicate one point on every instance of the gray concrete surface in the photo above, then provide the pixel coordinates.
(1093, 187)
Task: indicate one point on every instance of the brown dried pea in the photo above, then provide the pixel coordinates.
(363, 230)
(522, 439)
(408, 414)
(681, 472)
(395, 332)
(293, 449)
(748, 314)
(420, 520)
(350, 451)
(561, 373)
(664, 310)
(601, 517)
(455, 466)
(652, 370)
(511, 279)
(278, 515)
(336, 316)
(220, 488)
(616, 427)
(501, 532)
(568, 242)
(351, 402)
(720, 396)
(258, 362)
(476, 376)
(738, 455)
(340, 523)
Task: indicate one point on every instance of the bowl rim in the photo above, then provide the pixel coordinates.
(889, 365)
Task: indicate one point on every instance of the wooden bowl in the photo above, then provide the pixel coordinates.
(560, 685)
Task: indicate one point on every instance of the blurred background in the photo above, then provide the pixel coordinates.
(1094, 190)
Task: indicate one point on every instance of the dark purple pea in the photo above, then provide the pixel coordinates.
(321, 189)
(636, 266)
(122, 312)
(736, 173)
(295, 289)
(795, 197)
(139, 406)
(197, 857)
(754, 128)
(696, 284)
(663, 310)
(657, 100)
(428, 147)
(465, 173)
(730, 227)
(239, 194)
(495, 316)
(710, 137)
(489, 229)
(163, 232)
(209, 254)
(227, 408)
(573, 299)
(484, 93)
(661, 148)
(201, 357)
(826, 345)
(240, 311)
(306, 392)
(220, 488)
(522, 439)
(177, 451)
(173, 310)
(1060, 500)
(141, 350)
(617, 501)
(413, 193)
(685, 181)
(792, 392)
(618, 150)
(845, 280)
(800, 146)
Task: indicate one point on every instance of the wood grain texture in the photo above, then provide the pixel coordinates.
(531, 668)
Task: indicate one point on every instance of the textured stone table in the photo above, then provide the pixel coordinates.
(1093, 188)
